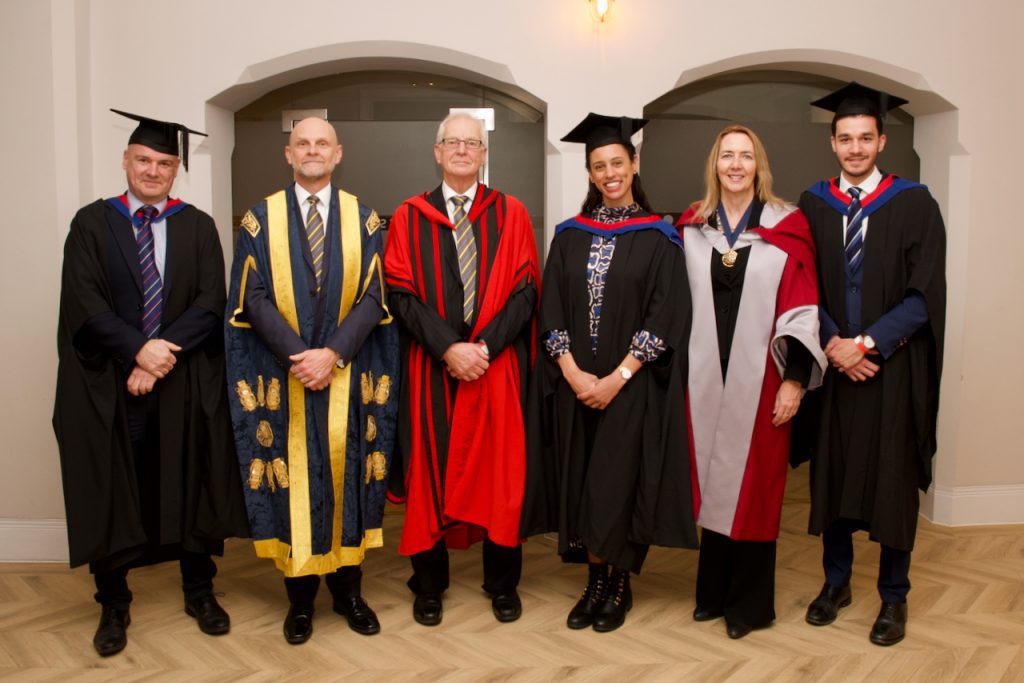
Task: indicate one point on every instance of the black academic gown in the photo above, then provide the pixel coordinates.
(872, 445)
(197, 489)
(612, 481)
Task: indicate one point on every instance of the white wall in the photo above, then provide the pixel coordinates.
(67, 62)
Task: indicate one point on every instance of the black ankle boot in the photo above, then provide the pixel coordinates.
(618, 600)
(582, 615)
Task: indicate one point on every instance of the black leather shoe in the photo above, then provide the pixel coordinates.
(824, 609)
(582, 614)
(891, 625)
(701, 614)
(361, 618)
(426, 609)
(619, 600)
(736, 631)
(111, 635)
(507, 606)
(213, 620)
(298, 625)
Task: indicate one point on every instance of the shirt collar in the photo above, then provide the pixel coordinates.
(866, 187)
(302, 196)
(448, 193)
(134, 204)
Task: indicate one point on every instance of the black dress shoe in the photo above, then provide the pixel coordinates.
(824, 609)
(213, 620)
(111, 635)
(619, 600)
(361, 618)
(426, 609)
(298, 625)
(506, 606)
(702, 614)
(736, 631)
(582, 614)
(891, 625)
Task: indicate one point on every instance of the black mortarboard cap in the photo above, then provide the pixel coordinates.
(598, 130)
(160, 135)
(854, 99)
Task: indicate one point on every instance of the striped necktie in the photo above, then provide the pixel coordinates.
(854, 229)
(465, 245)
(152, 286)
(315, 235)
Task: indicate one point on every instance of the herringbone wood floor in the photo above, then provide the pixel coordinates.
(967, 621)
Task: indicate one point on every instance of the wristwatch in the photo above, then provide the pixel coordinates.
(864, 342)
(625, 372)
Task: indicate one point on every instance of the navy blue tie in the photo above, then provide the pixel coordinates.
(152, 286)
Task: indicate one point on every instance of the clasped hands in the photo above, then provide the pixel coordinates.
(466, 361)
(845, 356)
(153, 361)
(314, 368)
(592, 391)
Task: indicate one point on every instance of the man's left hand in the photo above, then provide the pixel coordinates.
(787, 402)
(314, 367)
(140, 382)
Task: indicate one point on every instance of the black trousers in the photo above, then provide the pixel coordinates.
(737, 579)
(502, 569)
(837, 559)
(344, 582)
(197, 572)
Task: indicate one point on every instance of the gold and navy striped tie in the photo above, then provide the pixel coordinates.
(465, 244)
(315, 234)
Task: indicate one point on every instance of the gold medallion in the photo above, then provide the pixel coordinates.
(383, 390)
(260, 395)
(379, 465)
(366, 386)
(371, 428)
(729, 258)
(281, 472)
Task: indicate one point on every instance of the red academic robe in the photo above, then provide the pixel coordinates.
(462, 444)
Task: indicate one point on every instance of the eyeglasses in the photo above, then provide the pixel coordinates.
(470, 143)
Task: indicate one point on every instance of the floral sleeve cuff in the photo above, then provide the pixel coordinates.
(557, 343)
(646, 347)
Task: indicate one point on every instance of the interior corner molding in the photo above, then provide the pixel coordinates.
(33, 540)
(977, 505)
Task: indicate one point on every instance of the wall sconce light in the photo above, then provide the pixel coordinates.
(600, 9)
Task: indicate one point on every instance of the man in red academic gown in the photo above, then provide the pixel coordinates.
(461, 266)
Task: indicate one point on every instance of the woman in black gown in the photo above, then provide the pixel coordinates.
(608, 465)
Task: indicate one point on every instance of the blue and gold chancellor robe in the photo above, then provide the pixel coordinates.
(313, 463)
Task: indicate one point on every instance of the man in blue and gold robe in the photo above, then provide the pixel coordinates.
(312, 355)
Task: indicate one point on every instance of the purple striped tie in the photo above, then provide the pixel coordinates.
(152, 286)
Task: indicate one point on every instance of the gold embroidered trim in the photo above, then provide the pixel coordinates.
(366, 386)
(245, 396)
(256, 473)
(373, 223)
(260, 394)
(281, 472)
(264, 434)
(383, 390)
(251, 225)
(274, 394)
(371, 428)
(380, 468)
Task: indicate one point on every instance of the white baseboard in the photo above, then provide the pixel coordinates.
(974, 505)
(33, 540)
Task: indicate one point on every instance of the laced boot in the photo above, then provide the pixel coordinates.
(582, 615)
(617, 601)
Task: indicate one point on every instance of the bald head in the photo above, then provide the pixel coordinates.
(313, 152)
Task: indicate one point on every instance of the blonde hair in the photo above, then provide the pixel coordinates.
(762, 173)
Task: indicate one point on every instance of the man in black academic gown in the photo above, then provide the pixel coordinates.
(141, 415)
(881, 267)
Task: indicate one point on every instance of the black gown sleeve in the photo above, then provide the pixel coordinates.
(510, 320)
(107, 332)
(799, 362)
(428, 328)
